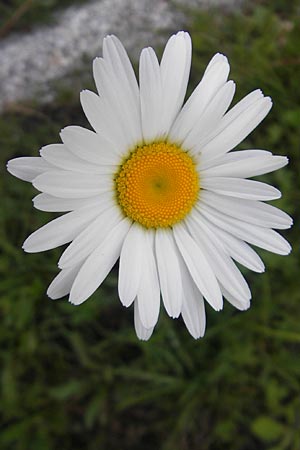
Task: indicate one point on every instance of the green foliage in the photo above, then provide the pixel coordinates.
(77, 378)
(267, 429)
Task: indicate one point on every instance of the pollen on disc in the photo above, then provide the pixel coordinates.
(157, 185)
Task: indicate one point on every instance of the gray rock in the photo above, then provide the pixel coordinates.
(29, 62)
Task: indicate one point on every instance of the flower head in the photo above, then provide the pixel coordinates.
(157, 186)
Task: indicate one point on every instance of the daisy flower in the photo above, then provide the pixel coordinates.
(156, 186)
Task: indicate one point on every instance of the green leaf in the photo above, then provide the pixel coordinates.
(267, 429)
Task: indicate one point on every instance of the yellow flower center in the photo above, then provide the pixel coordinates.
(157, 185)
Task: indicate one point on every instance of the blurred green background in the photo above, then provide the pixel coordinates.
(77, 377)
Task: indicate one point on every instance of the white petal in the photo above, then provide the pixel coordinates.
(61, 157)
(28, 167)
(222, 265)
(46, 202)
(119, 100)
(240, 108)
(91, 237)
(151, 95)
(130, 265)
(62, 283)
(115, 53)
(238, 187)
(65, 184)
(98, 264)
(210, 117)
(103, 119)
(214, 63)
(148, 298)
(214, 77)
(244, 164)
(229, 158)
(198, 267)
(193, 309)
(261, 237)
(250, 211)
(90, 146)
(237, 249)
(175, 69)
(168, 271)
(61, 230)
(142, 333)
(93, 109)
(244, 104)
(240, 303)
(231, 134)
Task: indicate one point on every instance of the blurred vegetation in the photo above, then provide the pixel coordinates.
(22, 15)
(77, 378)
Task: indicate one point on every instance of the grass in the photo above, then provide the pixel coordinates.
(77, 377)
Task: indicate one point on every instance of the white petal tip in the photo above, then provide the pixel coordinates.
(15, 168)
(174, 310)
(63, 131)
(75, 301)
(83, 94)
(74, 298)
(277, 194)
(97, 62)
(197, 334)
(221, 56)
(109, 37)
(126, 299)
(142, 333)
(126, 302)
(289, 223)
(144, 338)
(217, 307)
(288, 250)
(284, 160)
(269, 101)
(245, 306)
(174, 315)
(27, 248)
(53, 295)
(181, 33)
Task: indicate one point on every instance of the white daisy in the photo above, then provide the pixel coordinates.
(156, 186)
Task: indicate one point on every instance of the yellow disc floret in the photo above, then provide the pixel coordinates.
(157, 185)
